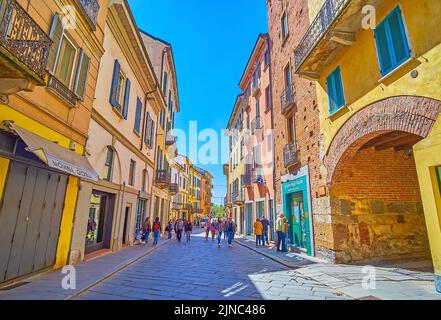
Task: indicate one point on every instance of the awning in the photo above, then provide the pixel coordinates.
(55, 156)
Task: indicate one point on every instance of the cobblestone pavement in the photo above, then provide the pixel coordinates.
(200, 270)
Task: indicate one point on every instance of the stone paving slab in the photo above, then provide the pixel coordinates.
(48, 286)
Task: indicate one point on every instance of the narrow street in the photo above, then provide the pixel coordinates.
(200, 271)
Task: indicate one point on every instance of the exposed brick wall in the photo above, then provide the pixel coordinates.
(377, 209)
(307, 126)
(410, 114)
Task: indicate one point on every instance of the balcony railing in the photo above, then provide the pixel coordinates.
(237, 197)
(61, 90)
(325, 18)
(162, 178)
(256, 124)
(258, 177)
(170, 140)
(255, 88)
(90, 8)
(23, 38)
(288, 99)
(290, 155)
(173, 188)
(176, 206)
(198, 210)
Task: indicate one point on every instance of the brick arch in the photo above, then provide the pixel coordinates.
(411, 114)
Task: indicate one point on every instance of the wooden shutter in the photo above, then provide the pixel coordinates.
(330, 86)
(125, 108)
(152, 133)
(146, 129)
(55, 34)
(115, 84)
(340, 100)
(383, 48)
(138, 115)
(82, 72)
(398, 37)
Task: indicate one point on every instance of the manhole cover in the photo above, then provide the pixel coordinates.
(13, 286)
(369, 298)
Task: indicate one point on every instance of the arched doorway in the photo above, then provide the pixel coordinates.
(376, 206)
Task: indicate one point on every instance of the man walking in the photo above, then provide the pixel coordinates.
(157, 229)
(265, 224)
(188, 230)
(179, 226)
(220, 228)
(230, 231)
(280, 228)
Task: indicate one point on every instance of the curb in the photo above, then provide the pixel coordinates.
(112, 273)
(290, 266)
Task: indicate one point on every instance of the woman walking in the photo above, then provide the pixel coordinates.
(157, 229)
(146, 229)
(207, 228)
(188, 230)
(258, 231)
(213, 230)
(220, 228)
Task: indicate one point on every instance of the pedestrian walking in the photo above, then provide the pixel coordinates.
(157, 229)
(146, 229)
(287, 240)
(188, 230)
(207, 228)
(213, 230)
(169, 229)
(265, 223)
(179, 227)
(280, 228)
(220, 229)
(230, 231)
(258, 230)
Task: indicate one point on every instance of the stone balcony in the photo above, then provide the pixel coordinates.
(24, 50)
(332, 30)
(90, 9)
(173, 189)
(162, 179)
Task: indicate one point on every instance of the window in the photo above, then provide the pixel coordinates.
(438, 174)
(137, 127)
(164, 84)
(144, 180)
(108, 166)
(257, 108)
(132, 172)
(120, 91)
(285, 31)
(392, 43)
(267, 58)
(69, 64)
(288, 79)
(334, 86)
(291, 131)
(268, 98)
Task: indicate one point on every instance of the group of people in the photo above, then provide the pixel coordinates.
(219, 227)
(149, 228)
(179, 226)
(261, 227)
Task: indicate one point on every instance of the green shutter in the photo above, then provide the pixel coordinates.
(398, 37)
(339, 88)
(126, 99)
(331, 89)
(138, 115)
(115, 84)
(82, 72)
(383, 49)
(55, 34)
(146, 129)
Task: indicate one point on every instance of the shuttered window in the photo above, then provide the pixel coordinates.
(164, 84)
(81, 80)
(137, 127)
(55, 34)
(334, 86)
(146, 129)
(392, 43)
(125, 107)
(115, 84)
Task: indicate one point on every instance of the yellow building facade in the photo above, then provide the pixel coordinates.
(44, 121)
(377, 72)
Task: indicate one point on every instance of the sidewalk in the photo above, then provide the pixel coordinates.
(48, 286)
(391, 283)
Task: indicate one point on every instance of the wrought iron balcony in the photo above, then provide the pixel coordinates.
(258, 177)
(173, 188)
(90, 9)
(22, 41)
(198, 211)
(176, 206)
(237, 198)
(333, 29)
(162, 179)
(288, 99)
(256, 124)
(290, 155)
(61, 90)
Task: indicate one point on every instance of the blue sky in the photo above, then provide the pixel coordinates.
(212, 41)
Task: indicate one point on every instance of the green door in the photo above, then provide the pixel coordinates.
(298, 214)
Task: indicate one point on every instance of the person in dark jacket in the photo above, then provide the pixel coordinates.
(188, 230)
(146, 230)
